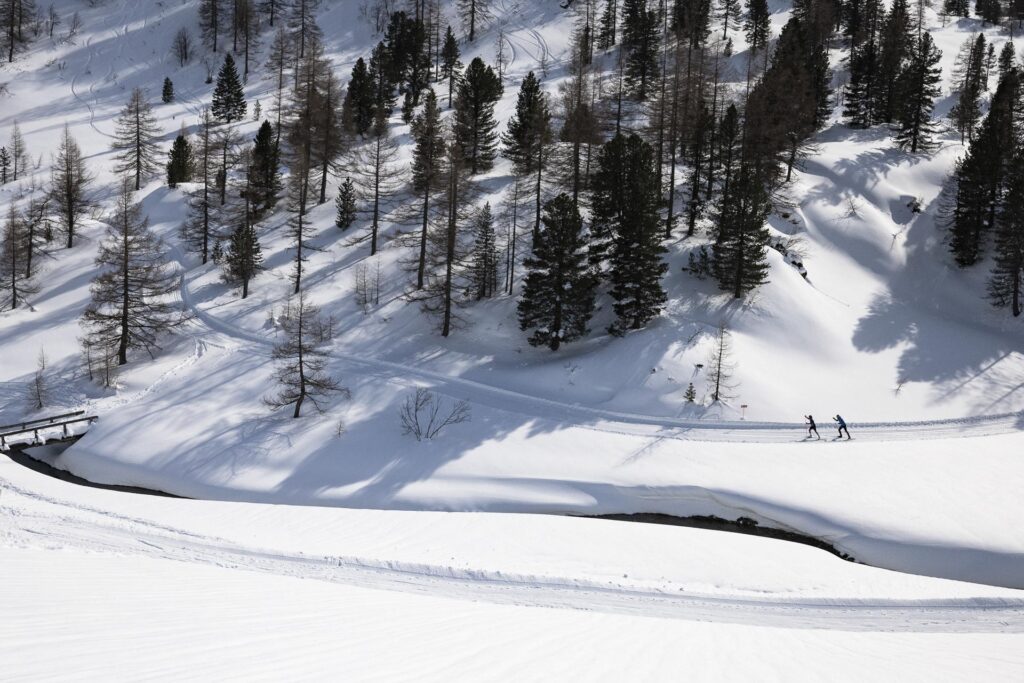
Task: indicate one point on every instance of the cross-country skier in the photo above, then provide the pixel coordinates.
(842, 426)
(811, 427)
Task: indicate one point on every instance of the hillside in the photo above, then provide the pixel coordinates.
(884, 329)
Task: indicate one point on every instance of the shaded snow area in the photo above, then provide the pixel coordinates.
(337, 545)
(136, 587)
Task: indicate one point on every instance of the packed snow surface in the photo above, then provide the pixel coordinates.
(138, 587)
(884, 330)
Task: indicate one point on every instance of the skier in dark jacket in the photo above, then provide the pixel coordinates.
(811, 427)
(842, 426)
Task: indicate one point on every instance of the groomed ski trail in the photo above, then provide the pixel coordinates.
(616, 421)
(66, 524)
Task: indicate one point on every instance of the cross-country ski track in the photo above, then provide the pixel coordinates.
(72, 525)
(543, 408)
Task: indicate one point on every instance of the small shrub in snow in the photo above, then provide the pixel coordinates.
(425, 415)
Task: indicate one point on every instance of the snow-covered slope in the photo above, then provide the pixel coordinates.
(137, 587)
(884, 330)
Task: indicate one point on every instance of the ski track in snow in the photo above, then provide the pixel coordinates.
(66, 524)
(615, 421)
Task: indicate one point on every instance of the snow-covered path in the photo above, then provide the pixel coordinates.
(29, 516)
(248, 341)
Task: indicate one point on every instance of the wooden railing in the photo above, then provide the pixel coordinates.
(33, 426)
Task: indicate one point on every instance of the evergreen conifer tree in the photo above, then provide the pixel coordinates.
(967, 111)
(528, 137)
(919, 86)
(265, 184)
(625, 226)
(19, 153)
(981, 174)
(478, 91)
(199, 228)
(483, 265)
(640, 38)
(244, 257)
(450, 64)
(1005, 283)
(228, 96)
(896, 45)
(15, 270)
(180, 162)
(1007, 58)
(757, 26)
(359, 99)
(167, 93)
(427, 172)
(739, 255)
(345, 205)
(607, 33)
(558, 293)
(5, 165)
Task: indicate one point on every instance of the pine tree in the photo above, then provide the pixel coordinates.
(199, 229)
(981, 175)
(558, 294)
(265, 184)
(345, 204)
(607, 35)
(640, 38)
(15, 270)
(919, 86)
(129, 309)
(375, 170)
(380, 73)
(180, 162)
(740, 261)
(302, 370)
(581, 130)
(427, 171)
(167, 93)
(478, 92)
(135, 139)
(302, 24)
(729, 13)
(357, 110)
(244, 258)
(757, 26)
(228, 96)
(5, 165)
(1007, 58)
(1005, 283)
(690, 395)
(859, 95)
(625, 214)
(528, 137)
(484, 255)
(70, 185)
(720, 367)
(990, 11)
(473, 13)
(450, 64)
(896, 45)
(327, 134)
(299, 227)
(19, 153)
(211, 20)
(967, 111)
(956, 8)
